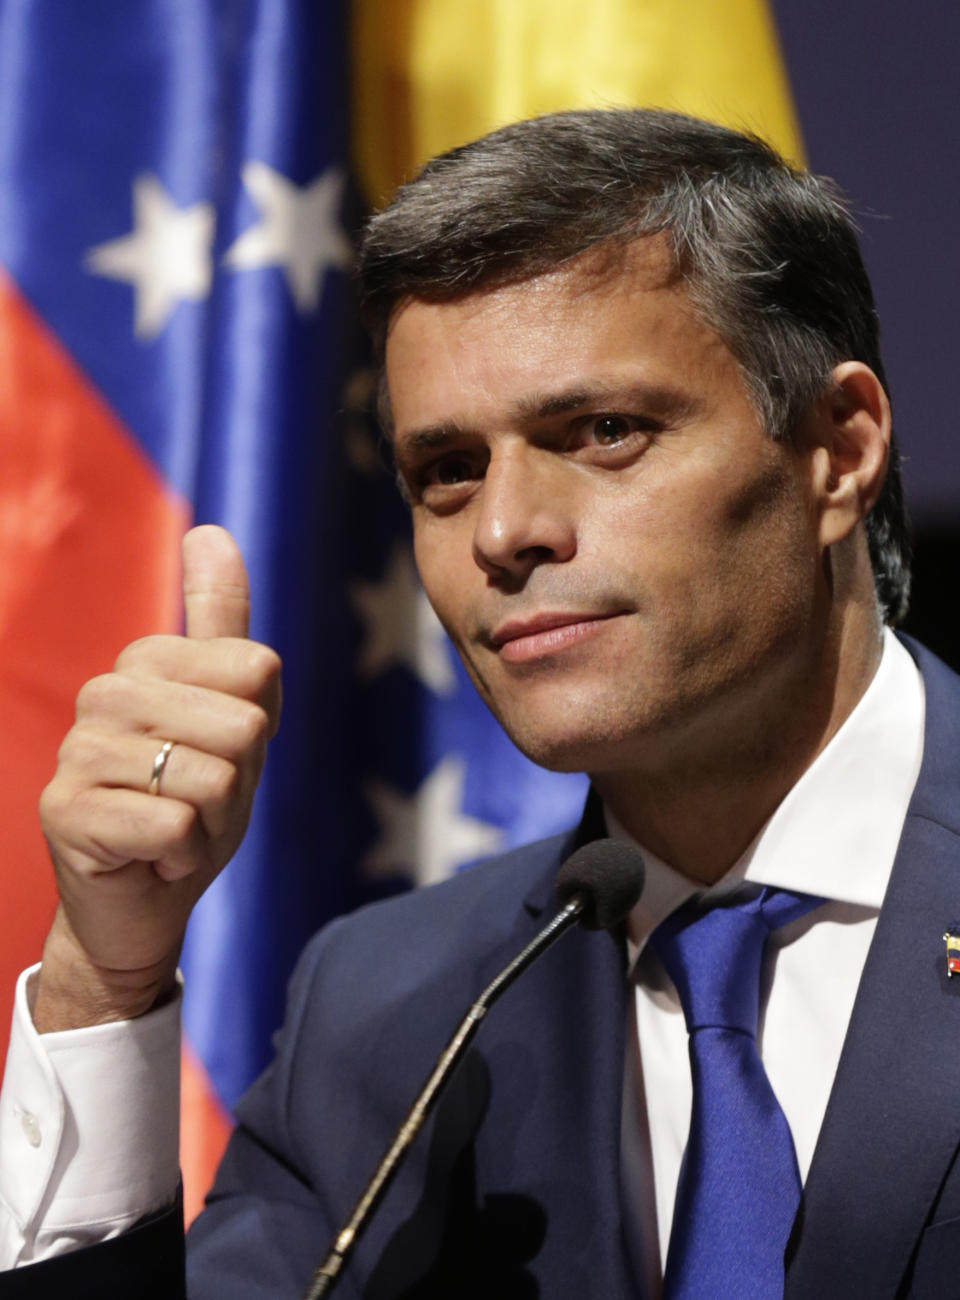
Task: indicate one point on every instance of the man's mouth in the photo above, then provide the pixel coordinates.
(522, 640)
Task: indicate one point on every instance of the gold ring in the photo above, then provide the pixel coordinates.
(159, 764)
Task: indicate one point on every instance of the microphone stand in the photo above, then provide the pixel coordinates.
(325, 1277)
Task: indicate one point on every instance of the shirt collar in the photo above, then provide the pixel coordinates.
(835, 833)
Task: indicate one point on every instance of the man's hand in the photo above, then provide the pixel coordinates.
(131, 865)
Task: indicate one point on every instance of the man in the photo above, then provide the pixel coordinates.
(633, 385)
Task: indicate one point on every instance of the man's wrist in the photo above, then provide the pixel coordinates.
(73, 993)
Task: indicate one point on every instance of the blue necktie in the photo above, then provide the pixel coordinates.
(739, 1184)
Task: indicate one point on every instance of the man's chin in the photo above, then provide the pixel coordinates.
(576, 725)
(570, 750)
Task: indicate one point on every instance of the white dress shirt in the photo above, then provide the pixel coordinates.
(835, 836)
(89, 1121)
(88, 1118)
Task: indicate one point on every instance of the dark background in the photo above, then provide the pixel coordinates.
(876, 89)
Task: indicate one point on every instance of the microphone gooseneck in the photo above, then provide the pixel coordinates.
(596, 887)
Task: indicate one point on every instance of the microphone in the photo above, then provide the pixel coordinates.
(607, 876)
(596, 887)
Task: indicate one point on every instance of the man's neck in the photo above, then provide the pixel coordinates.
(701, 810)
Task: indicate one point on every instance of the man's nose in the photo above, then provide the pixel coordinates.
(525, 516)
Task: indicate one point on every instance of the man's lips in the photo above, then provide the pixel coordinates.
(520, 640)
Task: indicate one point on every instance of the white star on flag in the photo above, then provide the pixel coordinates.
(401, 627)
(426, 835)
(166, 257)
(298, 230)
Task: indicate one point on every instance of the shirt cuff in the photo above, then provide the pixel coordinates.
(89, 1126)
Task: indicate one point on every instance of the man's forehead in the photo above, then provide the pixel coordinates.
(604, 283)
(648, 262)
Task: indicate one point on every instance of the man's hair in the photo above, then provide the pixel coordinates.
(768, 254)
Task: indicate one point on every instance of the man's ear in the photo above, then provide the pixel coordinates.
(849, 433)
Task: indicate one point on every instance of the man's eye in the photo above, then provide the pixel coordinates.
(435, 479)
(610, 429)
(450, 471)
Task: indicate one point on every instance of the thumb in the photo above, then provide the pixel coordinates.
(216, 593)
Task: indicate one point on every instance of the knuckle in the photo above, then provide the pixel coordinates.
(253, 725)
(69, 747)
(133, 655)
(261, 669)
(265, 662)
(140, 654)
(98, 696)
(82, 749)
(52, 806)
(182, 819)
(220, 782)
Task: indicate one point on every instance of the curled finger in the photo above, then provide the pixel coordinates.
(106, 828)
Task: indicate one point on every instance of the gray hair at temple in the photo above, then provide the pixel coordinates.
(768, 253)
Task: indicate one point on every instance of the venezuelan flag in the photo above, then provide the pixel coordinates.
(177, 342)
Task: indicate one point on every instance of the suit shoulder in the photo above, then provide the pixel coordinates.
(477, 905)
(436, 937)
(935, 672)
(935, 796)
(392, 978)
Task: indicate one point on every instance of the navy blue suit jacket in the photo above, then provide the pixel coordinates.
(513, 1189)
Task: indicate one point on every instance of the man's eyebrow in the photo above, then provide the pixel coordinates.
(429, 438)
(655, 399)
(658, 400)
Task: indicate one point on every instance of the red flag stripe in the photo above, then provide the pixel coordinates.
(204, 1129)
(89, 560)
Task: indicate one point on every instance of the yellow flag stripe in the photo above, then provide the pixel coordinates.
(431, 74)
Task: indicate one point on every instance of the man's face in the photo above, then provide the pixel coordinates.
(623, 557)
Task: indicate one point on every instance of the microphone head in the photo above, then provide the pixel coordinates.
(609, 874)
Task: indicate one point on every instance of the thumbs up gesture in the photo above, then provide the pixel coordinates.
(152, 795)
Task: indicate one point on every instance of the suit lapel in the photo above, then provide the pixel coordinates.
(513, 1187)
(890, 1130)
(556, 1065)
